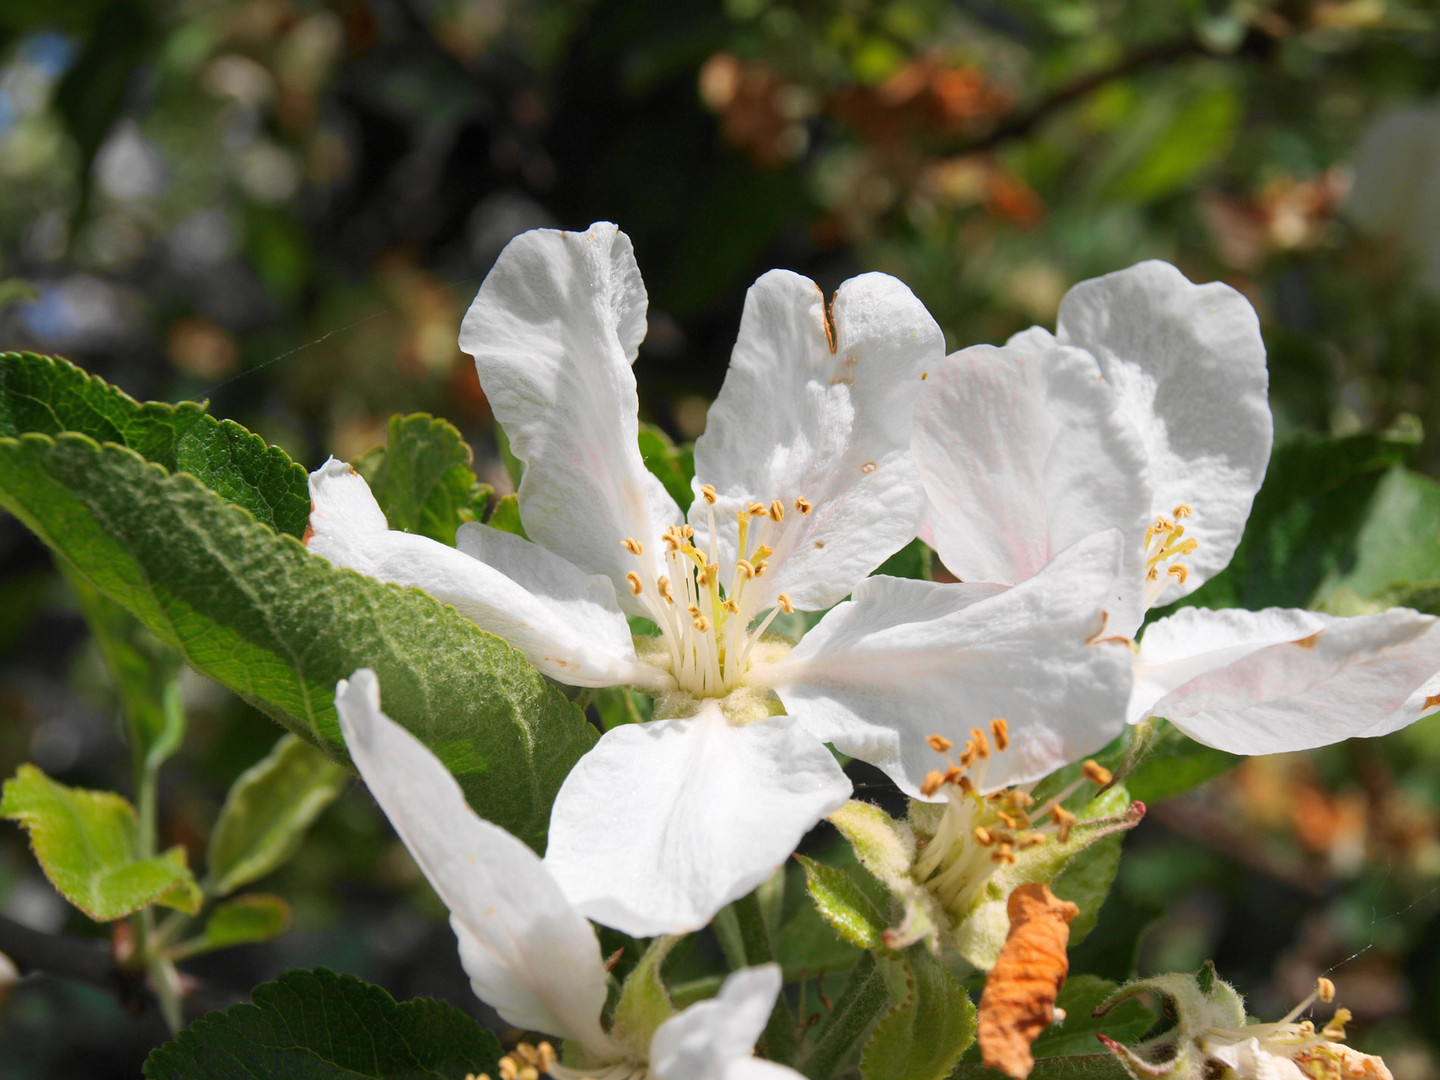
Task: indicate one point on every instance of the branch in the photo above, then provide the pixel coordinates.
(92, 962)
(1021, 123)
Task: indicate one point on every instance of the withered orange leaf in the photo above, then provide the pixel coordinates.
(1019, 998)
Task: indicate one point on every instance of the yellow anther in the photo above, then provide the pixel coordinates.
(702, 578)
(1003, 853)
(712, 571)
(745, 567)
(707, 492)
(672, 538)
(931, 784)
(662, 585)
(1178, 571)
(783, 599)
(939, 743)
(756, 509)
(547, 1056)
(1064, 820)
(1030, 840)
(632, 545)
(1163, 524)
(1011, 822)
(1307, 1027)
(777, 510)
(687, 531)
(954, 775)
(731, 606)
(982, 744)
(965, 785)
(1335, 1029)
(1001, 730)
(1096, 773)
(764, 551)
(1183, 510)
(702, 624)
(1325, 989)
(967, 756)
(803, 505)
(983, 836)
(634, 579)
(694, 611)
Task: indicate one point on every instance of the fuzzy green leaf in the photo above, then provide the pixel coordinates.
(87, 842)
(865, 997)
(1080, 995)
(422, 478)
(47, 396)
(267, 812)
(316, 1025)
(244, 920)
(259, 614)
(925, 1032)
(845, 907)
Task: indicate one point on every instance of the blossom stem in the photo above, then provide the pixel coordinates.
(779, 1041)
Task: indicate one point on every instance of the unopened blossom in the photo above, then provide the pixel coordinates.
(805, 484)
(1396, 193)
(1212, 1040)
(1147, 412)
(528, 952)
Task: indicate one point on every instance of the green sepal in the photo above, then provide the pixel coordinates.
(422, 478)
(843, 905)
(267, 812)
(644, 1002)
(88, 845)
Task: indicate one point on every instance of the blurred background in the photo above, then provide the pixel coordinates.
(285, 207)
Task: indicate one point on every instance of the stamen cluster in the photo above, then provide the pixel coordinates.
(978, 833)
(1165, 541)
(704, 616)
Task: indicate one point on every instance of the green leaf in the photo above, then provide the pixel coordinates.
(267, 812)
(316, 1025)
(845, 907)
(673, 466)
(1069, 1067)
(87, 842)
(145, 671)
(1196, 136)
(1173, 764)
(865, 996)
(257, 613)
(911, 561)
(1304, 527)
(47, 396)
(620, 705)
(1080, 995)
(506, 516)
(422, 478)
(1397, 545)
(924, 1034)
(244, 920)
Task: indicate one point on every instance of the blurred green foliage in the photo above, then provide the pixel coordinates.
(285, 205)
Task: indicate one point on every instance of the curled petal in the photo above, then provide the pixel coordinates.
(1187, 366)
(662, 824)
(1266, 682)
(565, 622)
(554, 332)
(905, 659)
(528, 953)
(821, 412)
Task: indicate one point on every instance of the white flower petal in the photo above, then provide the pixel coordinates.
(662, 824)
(565, 622)
(1023, 453)
(714, 1039)
(805, 415)
(905, 659)
(528, 953)
(1267, 682)
(554, 332)
(1187, 365)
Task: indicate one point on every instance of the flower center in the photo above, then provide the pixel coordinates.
(704, 613)
(977, 834)
(1165, 543)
